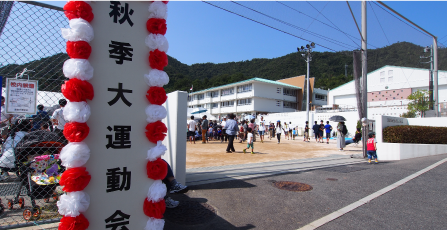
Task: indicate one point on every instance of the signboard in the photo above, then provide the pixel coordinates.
(21, 96)
(117, 140)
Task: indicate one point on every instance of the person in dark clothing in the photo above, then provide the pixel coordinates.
(316, 129)
(231, 129)
(40, 118)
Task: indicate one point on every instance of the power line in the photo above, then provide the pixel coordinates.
(402, 20)
(299, 28)
(319, 21)
(334, 24)
(268, 25)
(319, 13)
(379, 23)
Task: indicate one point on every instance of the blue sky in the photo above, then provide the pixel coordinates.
(199, 32)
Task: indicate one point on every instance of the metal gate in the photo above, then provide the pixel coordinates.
(31, 47)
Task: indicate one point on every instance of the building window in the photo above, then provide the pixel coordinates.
(390, 79)
(289, 92)
(278, 90)
(278, 103)
(244, 102)
(227, 104)
(390, 72)
(214, 105)
(244, 88)
(227, 91)
(382, 73)
(320, 97)
(382, 80)
(199, 96)
(212, 94)
(289, 105)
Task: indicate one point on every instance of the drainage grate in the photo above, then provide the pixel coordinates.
(190, 213)
(292, 186)
(344, 169)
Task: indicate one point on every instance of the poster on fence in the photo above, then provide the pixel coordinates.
(21, 96)
(117, 141)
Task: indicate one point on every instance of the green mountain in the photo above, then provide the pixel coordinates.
(328, 68)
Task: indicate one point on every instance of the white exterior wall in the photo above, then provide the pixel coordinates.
(267, 105)
(265, 90)
(402, 78)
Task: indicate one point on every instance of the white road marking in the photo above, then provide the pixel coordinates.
(342, 211)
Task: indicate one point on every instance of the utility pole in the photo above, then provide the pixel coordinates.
(430, 75)
(364, 76)
(435, 75)
(308, 57)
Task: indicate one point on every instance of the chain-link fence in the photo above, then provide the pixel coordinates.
(31, 48)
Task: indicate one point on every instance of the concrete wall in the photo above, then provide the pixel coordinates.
(176, 105)
(398, 151)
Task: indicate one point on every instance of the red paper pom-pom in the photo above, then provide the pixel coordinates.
(75, 131)
(158, 59)
(75, 179)
(156, 26)
(74, 223)
(156, 131)
(76, 90)
(154, 209)
(156, 95)
(78, 9)
(80, 49)
(157, 170)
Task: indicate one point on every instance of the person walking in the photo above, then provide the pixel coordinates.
(231, 129)
(261, 129)
(328, 129)
(224, 131)
(278, 131)
(192, 129)
(271, 128)
(249, 141)
(286, 131)
(340, 136)
(371, 147)
(306, 132)
(253, 127)
(205, 125)
(291, 128)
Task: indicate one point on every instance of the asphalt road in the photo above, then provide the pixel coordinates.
(256, 204)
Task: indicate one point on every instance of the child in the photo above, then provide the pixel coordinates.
(210, 133)
(219, 133)
(371, 147)
(249, 140)
(294, 133)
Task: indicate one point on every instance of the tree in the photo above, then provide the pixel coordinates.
(419, 103)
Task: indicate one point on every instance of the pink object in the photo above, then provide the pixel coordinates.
(46, 157)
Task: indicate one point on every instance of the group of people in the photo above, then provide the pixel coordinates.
(205, 130)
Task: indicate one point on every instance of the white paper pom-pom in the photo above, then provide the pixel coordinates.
(154, 224)
(77, 111)
(73, 203)
(156, 152)
(78, 68)
(157, 41)
(80, 30)
(158, 10)
(156, 78)
(155, 113)
(157, 191)
(75, 154)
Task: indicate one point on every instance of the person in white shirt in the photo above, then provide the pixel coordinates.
(224, 131)
(58, 118)
(192, 129)
(249, 141)
(261, 129)
(278, 130)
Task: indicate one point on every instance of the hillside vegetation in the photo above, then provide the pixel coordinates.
(328, 68)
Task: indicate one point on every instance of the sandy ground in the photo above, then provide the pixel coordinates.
(213, 153)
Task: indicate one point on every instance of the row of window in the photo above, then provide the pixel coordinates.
(320, 97)
(390, 91)
(240, 89)
(243, 102)
(289, 92)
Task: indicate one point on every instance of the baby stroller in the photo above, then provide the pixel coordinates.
(38, 168)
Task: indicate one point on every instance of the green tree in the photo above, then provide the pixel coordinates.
(419, 102)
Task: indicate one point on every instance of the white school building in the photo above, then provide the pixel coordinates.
(256, 96)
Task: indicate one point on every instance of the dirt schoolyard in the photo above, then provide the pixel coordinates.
(213, 153)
